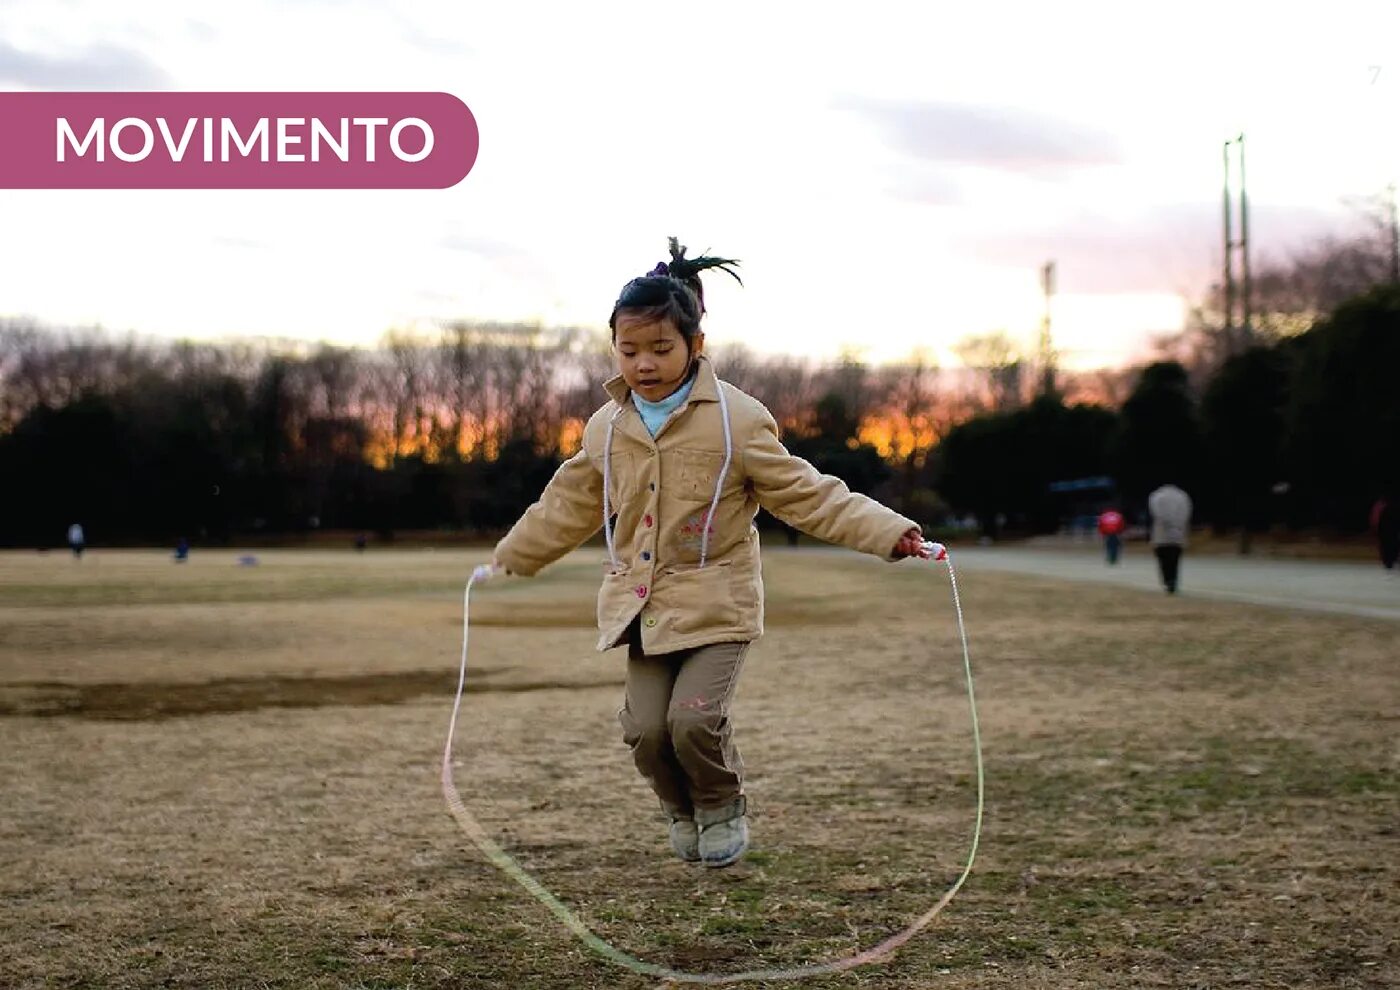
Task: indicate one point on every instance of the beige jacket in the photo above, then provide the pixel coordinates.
(661, 490)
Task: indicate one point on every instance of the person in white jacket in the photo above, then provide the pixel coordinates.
(1170, 509)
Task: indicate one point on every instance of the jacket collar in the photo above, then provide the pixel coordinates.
(705, 389)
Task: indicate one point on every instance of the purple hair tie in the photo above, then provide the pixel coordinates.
(661, 269)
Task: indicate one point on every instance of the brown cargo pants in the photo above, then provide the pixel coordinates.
(676, 722)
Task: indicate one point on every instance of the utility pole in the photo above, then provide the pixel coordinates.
(1229, 288)
(1047, 351)
(1247, 324)
(1245, 334)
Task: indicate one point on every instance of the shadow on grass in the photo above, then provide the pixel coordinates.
(148, 701)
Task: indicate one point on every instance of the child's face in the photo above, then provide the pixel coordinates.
(652, 356)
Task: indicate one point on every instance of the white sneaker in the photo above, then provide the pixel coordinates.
(724, 833)
(685, 839)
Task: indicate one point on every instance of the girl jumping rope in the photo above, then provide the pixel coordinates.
(674, 468)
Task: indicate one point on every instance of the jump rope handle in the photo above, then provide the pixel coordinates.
(485, 572)
(936, 551)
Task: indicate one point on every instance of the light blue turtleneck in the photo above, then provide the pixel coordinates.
(656, 413)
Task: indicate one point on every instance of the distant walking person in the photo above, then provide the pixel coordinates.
(1111, 529)
(1170, 508)
(76, 542)
(1385, 520)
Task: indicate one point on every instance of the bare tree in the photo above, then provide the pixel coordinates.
(43, 367)
(790, 388)
(1293, 294)
(1000, 366)
(405, 383)
(584, 362)
(1289, 296)
(20, 340)
(912, 411)
(1098, 386)
(331, 375)
(462, 367)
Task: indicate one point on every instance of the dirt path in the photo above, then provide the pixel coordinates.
(1343, 587)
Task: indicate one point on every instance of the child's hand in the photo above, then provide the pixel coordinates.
(911, 544)
(485, 572)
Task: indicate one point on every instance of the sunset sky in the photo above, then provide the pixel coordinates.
(892, 176)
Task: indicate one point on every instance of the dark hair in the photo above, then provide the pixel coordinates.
(671, 291)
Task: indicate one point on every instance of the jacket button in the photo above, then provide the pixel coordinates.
(649, 621)
(641, 591)
(652, 486)
(646, 555)
(646, 520)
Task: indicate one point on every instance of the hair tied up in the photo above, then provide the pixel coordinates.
(688, 269)
(672, 290)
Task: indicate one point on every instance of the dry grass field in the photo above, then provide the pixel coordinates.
(225, 776)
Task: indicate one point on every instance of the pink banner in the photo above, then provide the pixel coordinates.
(235, 140)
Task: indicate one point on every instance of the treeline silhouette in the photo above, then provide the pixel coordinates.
(459, 430)
(1301, 432)
(147, 441)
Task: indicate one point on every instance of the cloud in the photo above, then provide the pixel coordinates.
(97, 67)
(437, 296)
(237, 241)
(924, 185)
(1005, 138)
(1172, 248)
(509, 259)
(202, 31)
(431, 42)
(490, 248)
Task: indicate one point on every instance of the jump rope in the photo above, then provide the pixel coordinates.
(503, 860)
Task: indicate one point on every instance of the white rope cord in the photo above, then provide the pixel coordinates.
(607, 483)
(708, 522)
(493, 852)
